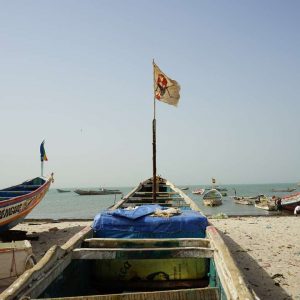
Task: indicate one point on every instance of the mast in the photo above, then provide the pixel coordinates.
(154, 142)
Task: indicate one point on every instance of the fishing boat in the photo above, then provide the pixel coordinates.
(290, 202)
(184, 188)
(16, 202)
(63, 191)
(264, 202)
(96, 192)
(139, 249)
(244, 201)
(198, 191)
(287, 190)
(15, 258)
(212, 198)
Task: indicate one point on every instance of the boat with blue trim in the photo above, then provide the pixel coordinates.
(16, 202)
(139, 249)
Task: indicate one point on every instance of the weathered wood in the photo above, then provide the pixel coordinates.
(186, 294)
(142, 253)
(230, 276)
(35, 280)
(144, 243)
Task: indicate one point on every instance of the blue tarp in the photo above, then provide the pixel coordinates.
(123, 224)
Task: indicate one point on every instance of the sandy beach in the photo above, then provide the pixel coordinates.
(266, 249)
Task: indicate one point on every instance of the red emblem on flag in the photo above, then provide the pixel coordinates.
(162, 86)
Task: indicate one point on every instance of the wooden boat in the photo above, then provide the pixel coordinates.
(184, 188)
(126, 268)
(288, 190)
(244, 201)
(15, 258)
(266, 203)
(17, 202)
(212, 198)
(63, 191)
(198, 191)
(96, 192)
(290, 202)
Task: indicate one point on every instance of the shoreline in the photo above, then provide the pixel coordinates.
(265, 248)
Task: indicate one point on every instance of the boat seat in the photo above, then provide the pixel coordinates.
(142, 253)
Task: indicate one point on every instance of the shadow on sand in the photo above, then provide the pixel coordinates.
(259, 280)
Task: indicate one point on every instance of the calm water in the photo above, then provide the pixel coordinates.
(70, 205)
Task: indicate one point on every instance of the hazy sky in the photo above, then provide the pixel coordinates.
(79, 75)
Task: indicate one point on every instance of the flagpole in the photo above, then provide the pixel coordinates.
(154, 140)
(42, 168)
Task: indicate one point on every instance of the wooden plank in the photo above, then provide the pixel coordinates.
(230, 276)
(142, 253)
(183, 294)
(145, 243)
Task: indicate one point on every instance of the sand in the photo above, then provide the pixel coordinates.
(266, 249)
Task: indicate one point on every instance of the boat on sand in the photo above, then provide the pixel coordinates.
(290, 202)
(139, 249)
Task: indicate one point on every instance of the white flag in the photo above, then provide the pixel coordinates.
(165, 89)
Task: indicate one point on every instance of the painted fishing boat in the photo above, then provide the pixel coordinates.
(18, 201)
(212, 198)
(290, 202)
(139, 249)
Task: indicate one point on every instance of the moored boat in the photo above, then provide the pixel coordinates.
(177, 255)
(264, 202)
(212, 198)
(198, 191)
(96, 192)
(244, 201)
(287, 190)
(63, 191)
(18, 201)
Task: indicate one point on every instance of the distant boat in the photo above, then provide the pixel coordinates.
(184, 188)
(198, 191)
(108, 192)
(18, 201)
(63, 191)
(288, 190)
(96, 192)
(212, 198)
(289, 202)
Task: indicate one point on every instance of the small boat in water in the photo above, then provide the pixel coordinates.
(164, 249)
(96, 192)
(18, 201)
(244, 201)
(63, 191)
(198, 191)
(212, 198)
(184, 188)
(290, 202)
(288, 190)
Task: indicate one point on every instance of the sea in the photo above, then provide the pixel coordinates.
(70, 205)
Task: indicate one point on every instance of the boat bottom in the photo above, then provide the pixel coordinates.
(91, 277)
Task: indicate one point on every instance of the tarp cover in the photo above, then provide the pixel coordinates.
(118, 224)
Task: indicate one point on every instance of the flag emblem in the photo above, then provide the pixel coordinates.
(165, 89)
(43, 152)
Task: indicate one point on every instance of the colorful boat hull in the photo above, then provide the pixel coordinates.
(18, 201)
(290, 202)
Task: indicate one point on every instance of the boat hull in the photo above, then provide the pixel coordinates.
(290, 202)
(14, 210)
